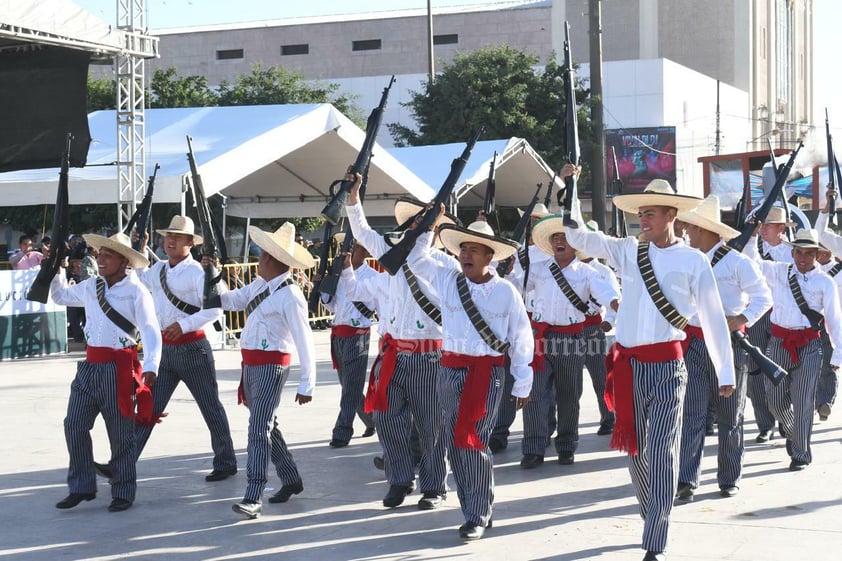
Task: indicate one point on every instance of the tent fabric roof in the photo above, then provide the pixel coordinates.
(269, 160)
(518, 169)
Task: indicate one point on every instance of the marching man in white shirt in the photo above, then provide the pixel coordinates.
(483, 320)
(116, 305)
(276, 322)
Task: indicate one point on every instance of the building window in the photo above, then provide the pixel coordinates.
(287, 50)
(450, 39)
(366, 45)
(229, 54)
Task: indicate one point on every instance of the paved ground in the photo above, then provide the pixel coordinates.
(582, 512)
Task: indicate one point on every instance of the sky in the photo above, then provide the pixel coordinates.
(162, 14)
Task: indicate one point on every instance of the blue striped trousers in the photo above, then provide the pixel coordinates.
(351, 355)
(703, 390)
(507, 411)
(658, 408)
(828, 380)
(792, 402)
(558, 383)
(472, 469)
(595, 351)
(758, 335)
(94, 392)
(262, 386)
(193, 363)
(411, 397)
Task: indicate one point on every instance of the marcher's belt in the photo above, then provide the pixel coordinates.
(189, 337)
(256, 357)
(794, 339)
(375, 397)
(473, 405)
(129, 382)
(345, 331)
(595, 319)
(540, 330)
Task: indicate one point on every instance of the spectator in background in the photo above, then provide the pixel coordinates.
(315, 248)
(26, 257)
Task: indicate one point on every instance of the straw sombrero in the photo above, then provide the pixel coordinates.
(657, 193)
(281, 245)
(453, 236)
(777, 216)
(407, 208)
(181, 225)
(805, 239)
(708, 217)
(339, 238)
(540, 211)
(119, 243)
(544, 230)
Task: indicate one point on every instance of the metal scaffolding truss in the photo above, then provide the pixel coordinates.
(131, 102)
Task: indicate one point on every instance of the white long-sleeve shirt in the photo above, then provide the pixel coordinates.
(500, 305)
(343, 309)
(186, 281)
(609, 276)
(279, 323)
(130, 298)
(742, 287)
(819, 292)
(516, 277)
(402, 317)
(781, 253)
(552, 306)
(687, 281)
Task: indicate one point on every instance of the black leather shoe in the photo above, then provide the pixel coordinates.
(470, 531)
(566, 458)
(654, 556)
(379, 462)
(605, 428)
(336, 443)
(496, 445)
(709, 430)
(396, 495)
(765, 436)
(431, 500)
(287, 491)
(103, 470)
(798, 465)
(531, 461)
(824, 411)
(220, 474)
(119, 505)
(74, 499)
(729, 491)
(684, 492)
(789, 447)
(249, 509)
(368, 432)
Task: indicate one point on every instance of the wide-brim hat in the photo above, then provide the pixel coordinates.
(708, 217)
(118, 243)
(453, 236)
(805, 239)
(407, 208)
(657, 193)
(281, 245)
(339, 238)
(544, 229)
(539, 211)
(181, 225)
(777, 215)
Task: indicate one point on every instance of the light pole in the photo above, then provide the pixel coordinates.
(431, 70)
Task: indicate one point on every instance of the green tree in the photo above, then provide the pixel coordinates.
(169, 90)
(102, 93)
(498, 87)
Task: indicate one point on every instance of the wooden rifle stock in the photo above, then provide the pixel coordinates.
(770, 369)
(520, 231)
(327, 238)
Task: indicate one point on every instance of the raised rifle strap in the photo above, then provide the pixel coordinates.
(815, 318)
(568, 291)
(658, 298)
(476, 318)
(420, 298)
(175, 300)
(113, 315)
(765, 256)
(257, 300)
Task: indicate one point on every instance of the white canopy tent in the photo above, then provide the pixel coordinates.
(268, 160)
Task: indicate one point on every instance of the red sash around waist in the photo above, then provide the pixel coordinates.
(473, 403)
(256, 357)
(794, 339)
(619, 386)
(540, 329)
(345, 331)
(189, 337)
(129, 382)
(595, 319)
(375, 397)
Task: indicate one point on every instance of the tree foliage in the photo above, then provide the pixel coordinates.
(498, 87)
(102, 94)
(169, 90)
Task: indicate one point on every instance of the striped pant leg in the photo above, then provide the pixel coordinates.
(566, 357)
(426, 414)
(778, 397)
(536, 412)
(472, 469)
(730, 413)
(758, 335)
(595, 351)
(507, 411)
(701, 377)
(828, 384)
(658, 402)
(196, 366)
(262, 387)
(82, 410)
(802, 390)
(352, 358)
(282, 459)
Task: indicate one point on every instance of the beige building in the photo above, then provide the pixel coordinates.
(763, 47)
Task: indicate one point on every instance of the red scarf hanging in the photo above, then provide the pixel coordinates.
(473, 404)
